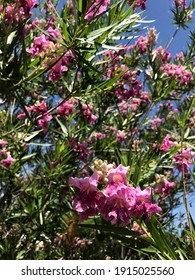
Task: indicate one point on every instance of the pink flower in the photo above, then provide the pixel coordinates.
(12, 14)
(163, 185)
(118, 174)
(121, 136)
(99, 135)
(40, 44)
(135, 104)
(61, 66)
(179, 72)
(53, 32)
(8, 161)
(167, 143)
(86, 110)
(66, 108)
(57, 70)
(180, 3)
(114, 205)
(43, 122)
(152, 209)
(69, 58)
(183, 159)
(40, 107)
(21, 116)
(86, 201)
(3, 142)
(162, 54)
(136, 227)
(144, 195)
(180, 57)
(144, 95)
(86, 184)
(29, 4)
(155, 123)
(19, 11)
(142, 204)
(80, 148)
(142, 44)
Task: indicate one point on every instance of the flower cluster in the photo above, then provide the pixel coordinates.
(18, 12)
(87, 112)
(61, 65)
(46, 46)
(180, 3)
(167, 143)
(163, 185)
(41, 111)
(179, 72)
(66, 108)
(143, 43)
(81, 148)
(128, 85)
(117, 201)
(121, 136)
(162, 55)
(183, 159)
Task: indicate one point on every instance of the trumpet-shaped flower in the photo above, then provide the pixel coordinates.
(118, 174)
(86, 201)
(116, 202)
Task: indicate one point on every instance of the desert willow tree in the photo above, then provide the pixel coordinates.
(96, 132)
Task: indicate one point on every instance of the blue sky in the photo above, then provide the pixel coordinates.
(159, 10)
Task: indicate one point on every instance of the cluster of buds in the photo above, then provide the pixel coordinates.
(163, 185)
(102, 168)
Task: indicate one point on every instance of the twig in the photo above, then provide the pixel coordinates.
(172, 38)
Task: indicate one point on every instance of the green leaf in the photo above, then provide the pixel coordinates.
(20, 255)
(40, 144)
(32, 135)
(99, 32)
(128, 11)
(65, 25)
(80, 6)
(187, 133)
(34, 62)
(112, 229)
(150, 249)
(161, 238)
(28, 157)
(64, 129)
(109, 83)
(11, 37)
